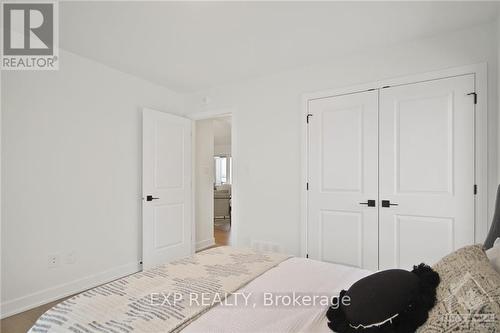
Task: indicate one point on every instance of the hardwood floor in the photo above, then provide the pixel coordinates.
(222, 232)
(23, 321)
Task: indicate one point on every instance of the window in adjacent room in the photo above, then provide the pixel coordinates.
(222, 170)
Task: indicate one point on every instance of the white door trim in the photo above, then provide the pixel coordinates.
(481, 138)
(219, 113)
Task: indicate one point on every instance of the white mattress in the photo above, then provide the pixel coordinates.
(297, 275)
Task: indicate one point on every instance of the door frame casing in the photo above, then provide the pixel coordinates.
(210, 114)
(481, 222)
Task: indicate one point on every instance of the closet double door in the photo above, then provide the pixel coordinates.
(391, 174)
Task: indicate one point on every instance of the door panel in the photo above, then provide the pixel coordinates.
(341, 136)
(169, 155)
(427, 169)
(343, 173)
(333, 244)
(424, 155)
(167, 224)
(409, 249)
(167, 229)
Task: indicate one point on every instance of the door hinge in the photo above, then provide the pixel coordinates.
(308, 116)
(307, 186)
(475, 189)
(475, 96)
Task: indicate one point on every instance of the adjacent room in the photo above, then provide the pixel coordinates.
(222, 180)
(213, 190)
(250, 166)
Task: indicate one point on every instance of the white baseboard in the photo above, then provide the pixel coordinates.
(48, 295)
(202, 245)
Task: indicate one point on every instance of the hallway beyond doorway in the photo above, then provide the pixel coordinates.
(222, 232)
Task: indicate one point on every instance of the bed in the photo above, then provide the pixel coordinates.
(303, 277)
(250, 291)
(242, 278)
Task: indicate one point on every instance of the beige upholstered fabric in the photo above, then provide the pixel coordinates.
(468, 297)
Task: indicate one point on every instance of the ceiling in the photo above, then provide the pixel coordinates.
(190, 46)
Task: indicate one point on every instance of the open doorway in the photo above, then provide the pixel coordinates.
(213, 160)
(222, 180)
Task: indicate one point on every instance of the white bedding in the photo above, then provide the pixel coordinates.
(296, 274)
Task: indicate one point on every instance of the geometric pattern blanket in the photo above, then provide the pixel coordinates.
(163, 299)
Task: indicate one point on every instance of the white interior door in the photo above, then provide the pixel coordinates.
(427, 170)
(343, 176)
(167, 191)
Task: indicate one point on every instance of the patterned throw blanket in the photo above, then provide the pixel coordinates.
(163, 299)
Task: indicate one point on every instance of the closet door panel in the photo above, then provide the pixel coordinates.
(343, 174)
(426, 170)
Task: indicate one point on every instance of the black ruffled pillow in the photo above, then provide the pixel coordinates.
(394, 300)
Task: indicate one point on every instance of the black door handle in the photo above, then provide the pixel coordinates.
(151, 198)
(387, 203)
(369, 203)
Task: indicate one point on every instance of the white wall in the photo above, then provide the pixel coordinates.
(222, 135)
(71, 170)
(266, 121)
(204, 190)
